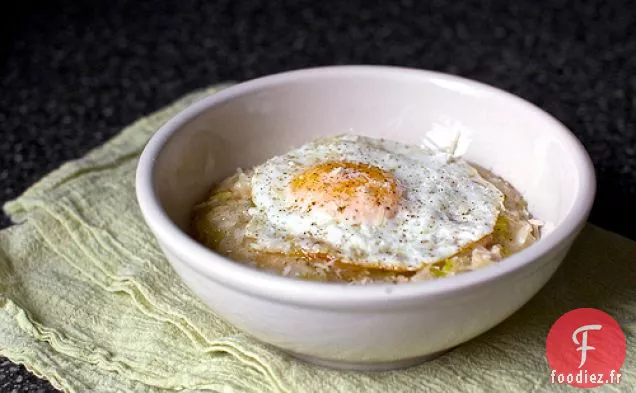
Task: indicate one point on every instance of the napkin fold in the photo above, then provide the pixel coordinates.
(88, 301)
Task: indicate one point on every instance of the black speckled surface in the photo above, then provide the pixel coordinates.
(72, 73)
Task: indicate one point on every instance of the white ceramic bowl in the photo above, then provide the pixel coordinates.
(373, 326)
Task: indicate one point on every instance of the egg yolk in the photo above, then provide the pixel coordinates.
(350, 191)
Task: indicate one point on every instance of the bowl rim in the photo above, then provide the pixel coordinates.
(263, 284)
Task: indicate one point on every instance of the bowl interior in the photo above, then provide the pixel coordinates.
(243, 126)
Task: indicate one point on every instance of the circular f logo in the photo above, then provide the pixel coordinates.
(585, 348)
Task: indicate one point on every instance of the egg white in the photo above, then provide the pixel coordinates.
(446, 205)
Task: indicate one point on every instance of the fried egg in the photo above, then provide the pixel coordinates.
(370, 202)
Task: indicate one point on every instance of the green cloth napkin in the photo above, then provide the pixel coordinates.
(89, 302)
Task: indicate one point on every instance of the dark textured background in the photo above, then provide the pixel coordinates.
(72, 73)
